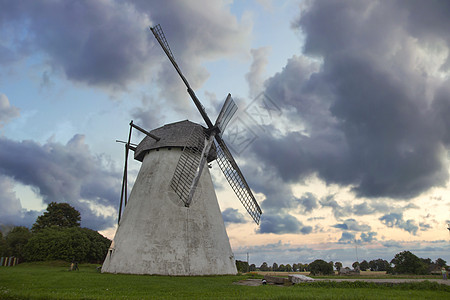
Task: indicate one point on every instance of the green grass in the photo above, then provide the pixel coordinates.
(54, 281)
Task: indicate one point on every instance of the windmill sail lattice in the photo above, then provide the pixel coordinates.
(187, 165)
(237, 181)
(228, 110)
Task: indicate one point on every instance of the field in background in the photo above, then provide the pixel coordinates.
(54, 281)
(363, 274)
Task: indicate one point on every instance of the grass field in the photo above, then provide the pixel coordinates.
(54, 281)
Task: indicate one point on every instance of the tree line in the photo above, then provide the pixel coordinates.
(404, 262)
(56, 235)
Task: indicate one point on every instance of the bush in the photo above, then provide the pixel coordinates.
(55, 243)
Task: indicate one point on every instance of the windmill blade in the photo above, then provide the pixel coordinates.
(161, 38)
(227, 112)
(237, 181)
(187, 166)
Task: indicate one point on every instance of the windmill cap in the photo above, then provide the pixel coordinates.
(173, 135)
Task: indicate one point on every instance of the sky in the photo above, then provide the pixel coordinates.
(342, 131)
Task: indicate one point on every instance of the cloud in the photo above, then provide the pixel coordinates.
(282, 224)
(393, 220)
(368, 237)
(107, 47)
(370, 93)
(255, 75)
(308, 201)
(353, 225)
(111, 45)
(424, 226)
(64, 173)
(338, 210)
(231, 215)
(347, 238)
(7, 111)
(391, 244)
(11, 211)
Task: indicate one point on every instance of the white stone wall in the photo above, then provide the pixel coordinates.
(158, 235)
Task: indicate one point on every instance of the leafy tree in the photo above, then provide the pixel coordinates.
(338, 265)
(3, 246)
(264, 267)
(98, 246)
(252, 267)
(355, 265)
(307, 267)
(58, 214)
(407, 263)
(440, 262)
(56, 243)
(321, 267)
(275, 267)
(16, 240)
(364, 265)
(241, 266)
(288, 268)
(379, 265)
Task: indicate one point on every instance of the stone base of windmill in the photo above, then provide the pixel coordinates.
(158, 235)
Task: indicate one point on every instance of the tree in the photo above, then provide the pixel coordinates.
(264, 267)
(16, 240)
(288, 268)
(440, 262)
(56, 243)
(3, 246)
(98, 246)
(338, 265)
(252, 267)
(364, 265)
(57, 214)
(241, 266)
(320, 267)
(379, 265)
(275, 267)
(355, 265)
(407, 263)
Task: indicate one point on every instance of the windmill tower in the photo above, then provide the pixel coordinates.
(172, 224)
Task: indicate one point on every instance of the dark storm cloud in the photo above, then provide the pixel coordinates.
(63, 173)
(374, 108)
(96, 42)
(108, 43)
(231, 215)
(395, 220)
(278, 194)
(282, 224)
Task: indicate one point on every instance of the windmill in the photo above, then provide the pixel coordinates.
(172, 224)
